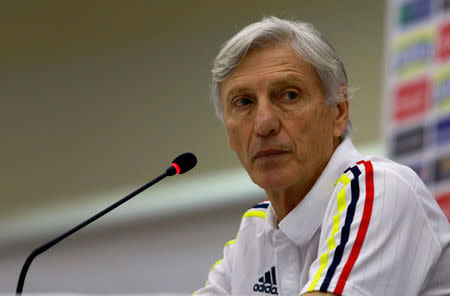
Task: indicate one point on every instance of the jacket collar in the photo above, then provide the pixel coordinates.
(304, 220)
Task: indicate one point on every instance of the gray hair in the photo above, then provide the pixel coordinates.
(309, 44)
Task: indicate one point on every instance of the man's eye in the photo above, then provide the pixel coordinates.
(242, 102)
(290, 95)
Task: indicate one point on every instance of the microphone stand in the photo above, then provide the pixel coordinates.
(53, 242)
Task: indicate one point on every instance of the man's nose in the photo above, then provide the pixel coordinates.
(266, 120)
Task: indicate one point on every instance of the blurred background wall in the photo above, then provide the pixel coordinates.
(97, 97)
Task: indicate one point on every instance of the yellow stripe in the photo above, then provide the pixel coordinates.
(412, 69)
(260, 214)
(341, 203)
(214, 265)
(443, 106)
(323, 264)
(230, 242)
(423, 35)
(218, 262)
(344, 179)
(442, 75)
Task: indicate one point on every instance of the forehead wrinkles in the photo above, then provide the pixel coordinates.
(260, 68)
(276, 80)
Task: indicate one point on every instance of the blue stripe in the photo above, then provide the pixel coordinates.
(345, 233)
(261, 206)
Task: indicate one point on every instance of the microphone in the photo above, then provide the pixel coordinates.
(180, 165)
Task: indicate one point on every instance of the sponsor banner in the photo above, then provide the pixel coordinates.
(442, 131)
(413, 52)
(409, 141)
(423, 170)
(412, 99)
(417, 89)
(441, 90)
(443, 42)
(443, 5)
(444, 202)
(413, 11)
(442, 169)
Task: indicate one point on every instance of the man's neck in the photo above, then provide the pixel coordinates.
(284, 201)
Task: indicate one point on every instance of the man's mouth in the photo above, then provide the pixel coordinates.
(269, 153)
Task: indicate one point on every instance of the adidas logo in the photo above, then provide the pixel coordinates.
(267, 283)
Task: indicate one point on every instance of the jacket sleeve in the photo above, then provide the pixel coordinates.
(219, 277)
(376, 238)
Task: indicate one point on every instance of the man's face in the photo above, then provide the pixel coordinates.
(277, 120)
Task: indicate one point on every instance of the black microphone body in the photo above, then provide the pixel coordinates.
(180, 165)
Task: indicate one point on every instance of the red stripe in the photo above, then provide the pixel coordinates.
(177, 168)
(364, 225)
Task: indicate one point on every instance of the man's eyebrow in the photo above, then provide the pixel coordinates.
(238, 90)
(289, 79)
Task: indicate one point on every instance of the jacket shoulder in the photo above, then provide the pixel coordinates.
(259, 210)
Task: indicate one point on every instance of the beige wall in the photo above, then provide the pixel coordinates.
(97, 96)
(170, 255)
(103, 94)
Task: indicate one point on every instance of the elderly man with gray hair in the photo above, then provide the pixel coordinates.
(335, 222)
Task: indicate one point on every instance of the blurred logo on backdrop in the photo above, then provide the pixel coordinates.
(417, 98)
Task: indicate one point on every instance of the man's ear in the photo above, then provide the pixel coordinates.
(342, 114)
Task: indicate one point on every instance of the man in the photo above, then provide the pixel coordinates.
(335, 223)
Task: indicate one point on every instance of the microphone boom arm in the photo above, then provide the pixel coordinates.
(45, 247)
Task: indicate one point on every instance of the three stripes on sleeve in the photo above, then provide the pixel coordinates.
(342, 220)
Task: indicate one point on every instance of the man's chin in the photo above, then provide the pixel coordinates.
(270, 182)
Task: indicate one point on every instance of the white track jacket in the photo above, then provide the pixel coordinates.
(368, 226)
